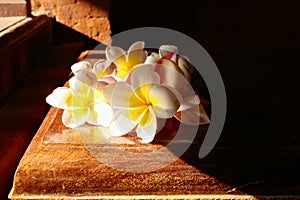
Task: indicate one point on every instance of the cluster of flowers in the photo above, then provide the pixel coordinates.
(130, 91)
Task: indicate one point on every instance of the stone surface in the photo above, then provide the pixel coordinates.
(87, 17)
(79, 163)
(13, 8)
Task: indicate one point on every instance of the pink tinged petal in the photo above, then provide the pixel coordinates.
(164, 102)
(82, 65)
(153, 58)
(171, 56)
(166, 49)
(102, 114)
(122, 124)
(75, 118)
(189, 102)
(113, 53)
(142, 75)
(147, 130)
(108, 79)
(193, 116)
(61, 97)
(170, 74)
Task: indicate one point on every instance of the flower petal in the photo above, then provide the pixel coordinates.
(147, 130)
(136, 54)
(170, 74)
(193, 116)
(103, 68)
(142, 75)
(164, 102)
(61, 97)
(82, 65)
(101, 114)
(112, 53)
(108, 79)
(189, 102)
(153, 58)
(122, 124)
(183, 62)
(166, 49)
(75, 118)
(82, 81)
(118, 94)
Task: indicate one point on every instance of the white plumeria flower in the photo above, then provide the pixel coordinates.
(82, 102)
(151, 92)
(125, 62)
(140, 103)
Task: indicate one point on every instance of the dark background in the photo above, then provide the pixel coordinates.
(255, 45)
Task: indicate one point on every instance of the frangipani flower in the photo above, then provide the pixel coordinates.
(125, 62)
(140, 103)
(82, 102)
(160, 94)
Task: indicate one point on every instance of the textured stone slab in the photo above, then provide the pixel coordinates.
(65, 163)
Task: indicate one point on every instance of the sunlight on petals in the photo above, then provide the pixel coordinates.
(104, 114)
(130, 91)
(61, 97)
(118, 94)
(75, 118)
(125, 62)
(103, 68)
(83, 101)
(82, 65)
(122, 124)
